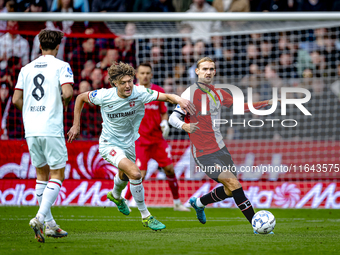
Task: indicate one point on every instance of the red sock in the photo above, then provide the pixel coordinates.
(173, 185)
(128, 194)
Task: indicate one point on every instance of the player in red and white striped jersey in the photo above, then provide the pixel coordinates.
(208, 147)
(151, 143)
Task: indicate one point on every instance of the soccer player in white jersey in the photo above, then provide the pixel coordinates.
(122, 110)
(43, 87)
(208, 147)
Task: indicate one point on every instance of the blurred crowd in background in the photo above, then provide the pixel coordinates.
(307, 58)
(167, 5)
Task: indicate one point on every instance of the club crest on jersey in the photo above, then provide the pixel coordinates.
(94, 93)
(150, 91)
(132, 103)
(69, 70)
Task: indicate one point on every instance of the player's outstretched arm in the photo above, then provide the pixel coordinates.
(176, 120)
(185, 104)
(259, 105)
(18, 99)
(75, 129)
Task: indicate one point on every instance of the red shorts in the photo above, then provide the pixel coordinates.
(158, 151)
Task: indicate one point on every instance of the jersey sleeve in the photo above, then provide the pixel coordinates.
(228, 102)
(147, 95)
(227, 99)
(66, 75)
(20, 82)
(96, 97)
(185, 95)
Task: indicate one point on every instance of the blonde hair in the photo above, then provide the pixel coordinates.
(118, 71)
(205, 59)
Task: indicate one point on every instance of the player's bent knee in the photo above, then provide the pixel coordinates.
(136, 175)
(230, 183)
(169, 170)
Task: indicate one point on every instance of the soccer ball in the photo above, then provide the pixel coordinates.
(263, 222)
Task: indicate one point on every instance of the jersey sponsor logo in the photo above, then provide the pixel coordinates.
(119, 115)
(69, 70)
(132, 103)
(151, 106)
(40, 65)
(150, 91)
(94, 93)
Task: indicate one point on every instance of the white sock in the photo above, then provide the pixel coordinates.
(51, 223)
(118, 186)
(177, 201)
(49, 196)
(199, 203)
(137, 191)
(39, 190)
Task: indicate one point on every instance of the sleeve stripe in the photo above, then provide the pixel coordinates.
(67, 83)
(179, 112)
(18, 89)
(88, 96)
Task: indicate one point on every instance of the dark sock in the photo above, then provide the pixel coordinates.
(214, 196)
(243, 203)
(173, 185)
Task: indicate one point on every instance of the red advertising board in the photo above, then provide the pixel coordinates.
(255, 160)
(310, 194)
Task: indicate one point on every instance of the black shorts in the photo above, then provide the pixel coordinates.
(207, 163)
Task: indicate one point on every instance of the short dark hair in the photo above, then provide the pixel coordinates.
(146, 64)
(118, 71)
(50, 39)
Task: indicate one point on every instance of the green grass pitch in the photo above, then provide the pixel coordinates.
(98, 230)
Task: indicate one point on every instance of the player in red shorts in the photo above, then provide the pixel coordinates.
(151, 143)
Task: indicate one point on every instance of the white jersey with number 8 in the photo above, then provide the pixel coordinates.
(41, 82)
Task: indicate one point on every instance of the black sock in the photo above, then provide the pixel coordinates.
(214, 196)
(243, 203)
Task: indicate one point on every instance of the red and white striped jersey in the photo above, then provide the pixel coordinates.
(208, 138)
(150, 130)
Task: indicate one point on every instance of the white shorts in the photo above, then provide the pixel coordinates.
(47, 150)
(114, 154)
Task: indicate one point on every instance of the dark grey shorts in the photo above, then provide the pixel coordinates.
(222, 158)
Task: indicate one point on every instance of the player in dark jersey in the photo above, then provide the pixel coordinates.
(151, 143)
(208, 147)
